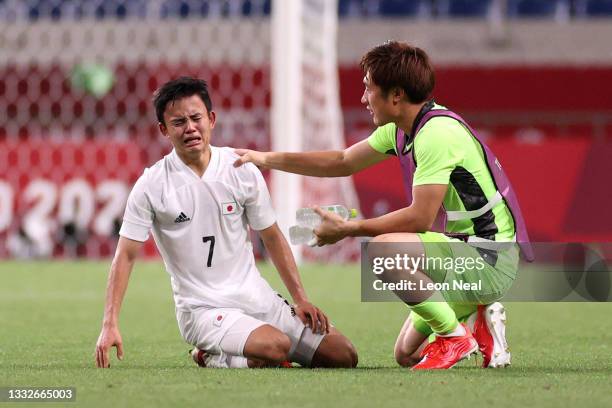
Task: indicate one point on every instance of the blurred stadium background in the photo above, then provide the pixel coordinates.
(77, 126)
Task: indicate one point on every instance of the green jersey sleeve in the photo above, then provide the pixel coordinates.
(437, 151)
(383, 139)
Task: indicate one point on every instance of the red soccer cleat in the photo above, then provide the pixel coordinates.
(445, 352)
(285, 364)
(490, 333)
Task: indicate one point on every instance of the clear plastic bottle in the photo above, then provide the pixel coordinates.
(307, 220)
(301, 235)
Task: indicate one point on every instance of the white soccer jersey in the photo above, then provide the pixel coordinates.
(200, 228)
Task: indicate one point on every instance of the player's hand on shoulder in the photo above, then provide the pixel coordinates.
(109, 337)
(312, 317)
(252, 156)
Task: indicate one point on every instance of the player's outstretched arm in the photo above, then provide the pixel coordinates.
(332, 163)
(419, 217)
(283, 260)
(125, 256)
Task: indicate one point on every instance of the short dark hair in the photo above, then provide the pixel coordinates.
(397, 64)
(180, 88)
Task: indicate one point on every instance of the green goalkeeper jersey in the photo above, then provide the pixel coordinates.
(446, 153)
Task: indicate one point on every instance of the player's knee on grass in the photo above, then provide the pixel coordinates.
(269, 344)
(279, 347)
(335, 351)
(409, 344)
(403, 356)
(406, 360)
(253, 363)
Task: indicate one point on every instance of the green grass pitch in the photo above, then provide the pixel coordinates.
(50, 315)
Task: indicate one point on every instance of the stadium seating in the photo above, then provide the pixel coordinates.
(185, 9)
(537, 8)
(69, 9)
(215, 8)
(401, 8)
(463, 8)
(34, 10)
(593, 8)
(356, 8)
(250, 7)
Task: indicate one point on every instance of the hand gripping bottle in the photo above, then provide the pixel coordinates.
(307, 220)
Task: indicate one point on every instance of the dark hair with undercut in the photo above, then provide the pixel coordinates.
(177, 89)
(397, 64)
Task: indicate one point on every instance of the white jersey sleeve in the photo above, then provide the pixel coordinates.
(138, 216)
(257, 202)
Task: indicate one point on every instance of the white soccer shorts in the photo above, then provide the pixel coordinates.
(225, 331)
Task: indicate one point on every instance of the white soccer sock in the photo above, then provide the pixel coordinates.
(237, 362)
(217, 361)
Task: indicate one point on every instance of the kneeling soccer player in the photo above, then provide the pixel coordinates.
(467, 316)
(445, 166)
(199, 207)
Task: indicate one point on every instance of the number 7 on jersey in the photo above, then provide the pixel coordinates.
(210, 239)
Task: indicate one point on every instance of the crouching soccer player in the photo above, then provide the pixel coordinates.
(200, 207)
(445, 166)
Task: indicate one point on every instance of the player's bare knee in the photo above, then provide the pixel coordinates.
(254, 363)
(349, 353)
(336, 351)
(406, 359)
(399, 355)
(354, 357)
(279, 348)
(346, 356)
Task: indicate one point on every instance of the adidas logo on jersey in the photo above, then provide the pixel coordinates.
(181, 218)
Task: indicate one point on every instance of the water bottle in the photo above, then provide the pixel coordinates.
(301, 235)
(307, 220)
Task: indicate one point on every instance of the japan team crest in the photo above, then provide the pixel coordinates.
(229, 208)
